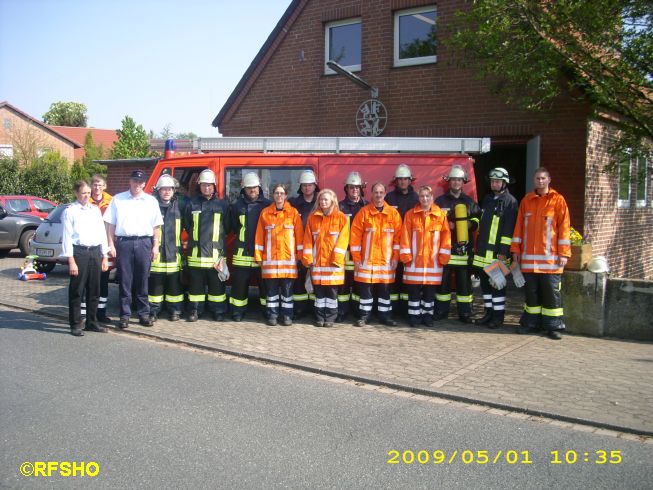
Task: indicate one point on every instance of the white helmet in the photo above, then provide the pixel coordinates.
(354, 178)
(206, 177)
(403, 171)
(598, 265)
(307, 177)
(456, 172)
(165, 181)
(251, 180)
(500, 173)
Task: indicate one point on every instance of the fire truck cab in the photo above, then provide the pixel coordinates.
(280, 160)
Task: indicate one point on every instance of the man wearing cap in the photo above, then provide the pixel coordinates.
(303, 202)
(134, 232)
(243, 218)
(403, 198)
(498, 216)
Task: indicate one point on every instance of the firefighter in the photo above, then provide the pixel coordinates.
(425, 249)
(277, 248)
(165, 271)
(205, 220)
(350, 205)
(326, 237)
(374, 245)
(101, 198)
(243, 218)
(498, 215)
(461, 247)
(403, 198)
(303, 202)
(541, 246)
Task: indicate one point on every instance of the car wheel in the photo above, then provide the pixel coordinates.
(25, 238)
(44, 266)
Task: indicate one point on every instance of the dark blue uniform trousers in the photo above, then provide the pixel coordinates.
(134, 260)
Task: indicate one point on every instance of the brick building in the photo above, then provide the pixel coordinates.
(289, 91)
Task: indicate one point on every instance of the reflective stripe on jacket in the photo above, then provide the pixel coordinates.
(425, 245)
(279, 241)
(542, 232)
(498, 215)
(243, 217)
(169, 259)
(206, 222)
(447, 202)
(325, 245)
(350, 209)
(374, 244)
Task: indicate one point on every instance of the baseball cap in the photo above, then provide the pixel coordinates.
(138, 174)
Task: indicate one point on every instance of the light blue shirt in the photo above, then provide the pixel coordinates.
(133, 216)
(83, 225)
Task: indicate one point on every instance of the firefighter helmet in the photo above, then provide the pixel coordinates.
(598, 265)
(354, 178)
(165, 181)
(251, 179)
(307, 177)
(456, 172)
(206, 177)
(500, 173)
(403, 172)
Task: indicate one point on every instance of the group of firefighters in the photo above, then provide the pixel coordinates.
(403, 251)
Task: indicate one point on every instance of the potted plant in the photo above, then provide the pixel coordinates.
(581, 252)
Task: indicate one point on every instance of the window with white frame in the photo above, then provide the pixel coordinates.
(642, 177)
(6, 151)
(342, 44)
(623, 199)
(415, 36)
(6, 123)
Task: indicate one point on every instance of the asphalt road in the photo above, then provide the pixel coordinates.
(152, 415)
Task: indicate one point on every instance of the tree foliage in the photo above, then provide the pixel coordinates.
(48, 177)
(133, 141)
(66, 114)
(10, 176)
(533, 50)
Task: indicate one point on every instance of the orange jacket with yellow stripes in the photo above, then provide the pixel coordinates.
(541, 233)
(425, 245)
(279, 241)
(325, 245)
(374, 244)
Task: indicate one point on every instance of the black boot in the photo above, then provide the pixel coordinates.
(485, 318)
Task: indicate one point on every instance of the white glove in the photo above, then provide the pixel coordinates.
(308, 284)
(495, 273)
(517, 276)
(223, 270)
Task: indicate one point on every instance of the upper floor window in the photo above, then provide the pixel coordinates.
(7, 123)
(414, 38)
(623, 200)
(342, 44)
(642, 181)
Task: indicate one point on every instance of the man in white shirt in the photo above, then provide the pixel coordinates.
(134, 232)
(85, 244)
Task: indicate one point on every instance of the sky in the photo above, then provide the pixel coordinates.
(161, 62)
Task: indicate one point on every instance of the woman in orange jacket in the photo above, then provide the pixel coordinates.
(425, 249)
(325, 243)
(277, 248)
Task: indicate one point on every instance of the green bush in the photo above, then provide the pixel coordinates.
(48, 177)
(10, 176)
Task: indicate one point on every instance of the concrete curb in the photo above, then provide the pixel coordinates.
(355, 377)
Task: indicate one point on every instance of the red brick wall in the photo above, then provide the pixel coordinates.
(292, 97)
(118, 175)
(622, 235)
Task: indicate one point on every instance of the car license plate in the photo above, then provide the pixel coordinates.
(44, 252)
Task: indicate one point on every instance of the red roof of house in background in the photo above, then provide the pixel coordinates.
(104, 137)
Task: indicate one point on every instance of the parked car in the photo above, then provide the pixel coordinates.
(36, 206)
(47, 241)
(16, 230)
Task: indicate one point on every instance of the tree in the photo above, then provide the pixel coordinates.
(132, 141)
(186, 136)
(66, 114)
(27, 142)
(10, 176)
(599, 51)
(48, 177)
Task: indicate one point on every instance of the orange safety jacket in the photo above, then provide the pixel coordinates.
(541, 233)
(103, 204)
(279, 241)
(325, 246)
(425, 245)
(374, 244)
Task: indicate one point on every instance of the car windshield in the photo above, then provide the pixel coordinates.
(55, 214)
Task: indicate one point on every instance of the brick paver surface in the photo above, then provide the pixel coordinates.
(607, 381)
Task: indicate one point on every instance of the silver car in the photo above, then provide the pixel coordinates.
(46, 244)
